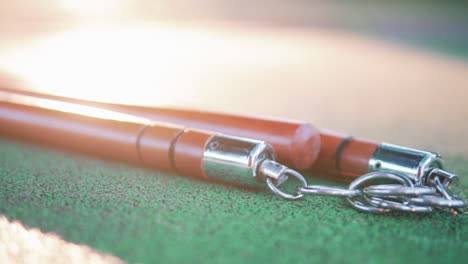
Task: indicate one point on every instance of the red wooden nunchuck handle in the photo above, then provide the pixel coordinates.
(163, 146)
(297, 144)
(103, 133)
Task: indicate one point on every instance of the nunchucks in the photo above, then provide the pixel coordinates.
(421, 182)
(137, 140)
(298, 144)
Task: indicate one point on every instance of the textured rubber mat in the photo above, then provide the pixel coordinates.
(145, 216)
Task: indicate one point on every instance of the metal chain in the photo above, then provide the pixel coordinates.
(403, 195)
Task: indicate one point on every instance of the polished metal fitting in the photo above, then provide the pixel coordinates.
(414, 163)
(251, 162)
(237, 160)
(248, 162)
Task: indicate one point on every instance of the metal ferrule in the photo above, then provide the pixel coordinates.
(417, 164)
(240, 160)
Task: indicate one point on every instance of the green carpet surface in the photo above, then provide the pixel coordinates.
(144, 216)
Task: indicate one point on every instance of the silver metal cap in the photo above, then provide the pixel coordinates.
(414, 163)
(236, 160)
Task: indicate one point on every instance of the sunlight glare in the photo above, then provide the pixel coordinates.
(143, 65)
(20, 244)
(94, 7)
(72, 108)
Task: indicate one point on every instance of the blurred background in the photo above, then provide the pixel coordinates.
(389, 70)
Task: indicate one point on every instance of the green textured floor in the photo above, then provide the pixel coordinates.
(146, 217)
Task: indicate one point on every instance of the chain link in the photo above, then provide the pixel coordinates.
(402, 195)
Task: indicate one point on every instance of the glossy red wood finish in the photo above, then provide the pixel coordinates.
(297, 144)
(158, 145)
